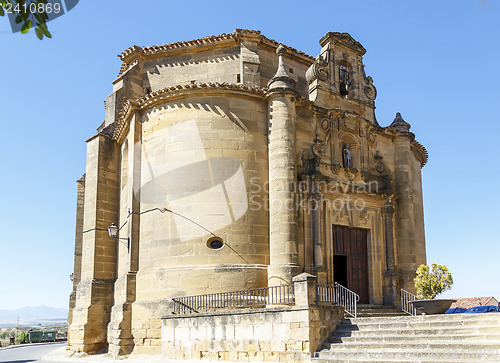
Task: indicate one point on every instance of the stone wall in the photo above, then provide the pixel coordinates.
(277, 334)
(220, 137)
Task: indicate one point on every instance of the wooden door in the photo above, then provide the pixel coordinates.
(352, 243)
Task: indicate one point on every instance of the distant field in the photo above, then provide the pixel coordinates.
(34, 323)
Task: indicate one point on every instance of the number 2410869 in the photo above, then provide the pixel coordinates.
(33, 8)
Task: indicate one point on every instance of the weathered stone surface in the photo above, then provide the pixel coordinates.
(223, 138)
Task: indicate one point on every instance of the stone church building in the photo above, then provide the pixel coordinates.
(230, 163)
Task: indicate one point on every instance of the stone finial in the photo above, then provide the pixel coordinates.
(400, 124)
(281, 50)
(281, 79)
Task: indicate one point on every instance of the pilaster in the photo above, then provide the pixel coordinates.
(94, 294)
(77, 269)
(250, 61)
(390, 271)
(120, 337)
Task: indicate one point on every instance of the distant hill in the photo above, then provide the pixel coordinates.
(32, 313)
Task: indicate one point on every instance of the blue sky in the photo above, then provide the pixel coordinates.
(436, 62)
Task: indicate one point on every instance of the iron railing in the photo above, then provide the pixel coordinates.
(405, 299)
(274, 295)
(326, 293)
(339, 295)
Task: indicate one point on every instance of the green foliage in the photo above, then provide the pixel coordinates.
(430, 283)
(21, 338)
(29, 20)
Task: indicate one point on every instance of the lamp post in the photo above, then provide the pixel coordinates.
(113, 233)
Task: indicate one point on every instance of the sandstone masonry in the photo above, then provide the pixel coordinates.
(237, 141)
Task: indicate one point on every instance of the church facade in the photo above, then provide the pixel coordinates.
(233, 162)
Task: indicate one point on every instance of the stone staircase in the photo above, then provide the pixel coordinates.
(432, 338)
(373, 311)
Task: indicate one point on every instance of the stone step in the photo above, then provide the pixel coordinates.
(396, 338)
(429, 338)
(416, 355)
(417, 322)
(354, 331)
(382, 312)
(437, 317)
(370, 315)
(378, 311)
(411, 345)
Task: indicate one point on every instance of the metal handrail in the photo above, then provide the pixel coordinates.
(274, 295)
(347, 298)
(339, 295)
(406, 298)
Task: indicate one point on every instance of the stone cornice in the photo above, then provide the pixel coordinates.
(343, 38)
(159, 96)
(125, 115)
(129, 54)
(97, 135)
(421, 152)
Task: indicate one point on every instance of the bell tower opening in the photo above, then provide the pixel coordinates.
(344, 79)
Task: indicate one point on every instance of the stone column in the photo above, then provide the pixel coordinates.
(388, 212)
(363, 156)
(94, 295)
(282, 178)
(316, 225)
(335, 155)
(308, 257)
(405, 223)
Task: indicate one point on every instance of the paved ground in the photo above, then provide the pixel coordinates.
(56, 353)
(28, 352)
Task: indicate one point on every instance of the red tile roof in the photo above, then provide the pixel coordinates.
(206, 40)
(469, 302)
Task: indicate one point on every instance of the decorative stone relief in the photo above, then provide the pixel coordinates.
(363, 217)
(342, 216)
(319, 69)
(379, 165)
(351, 173)
(326, 126)
(371, 138)
(311, 157)
(350, 121)
(370, 90)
